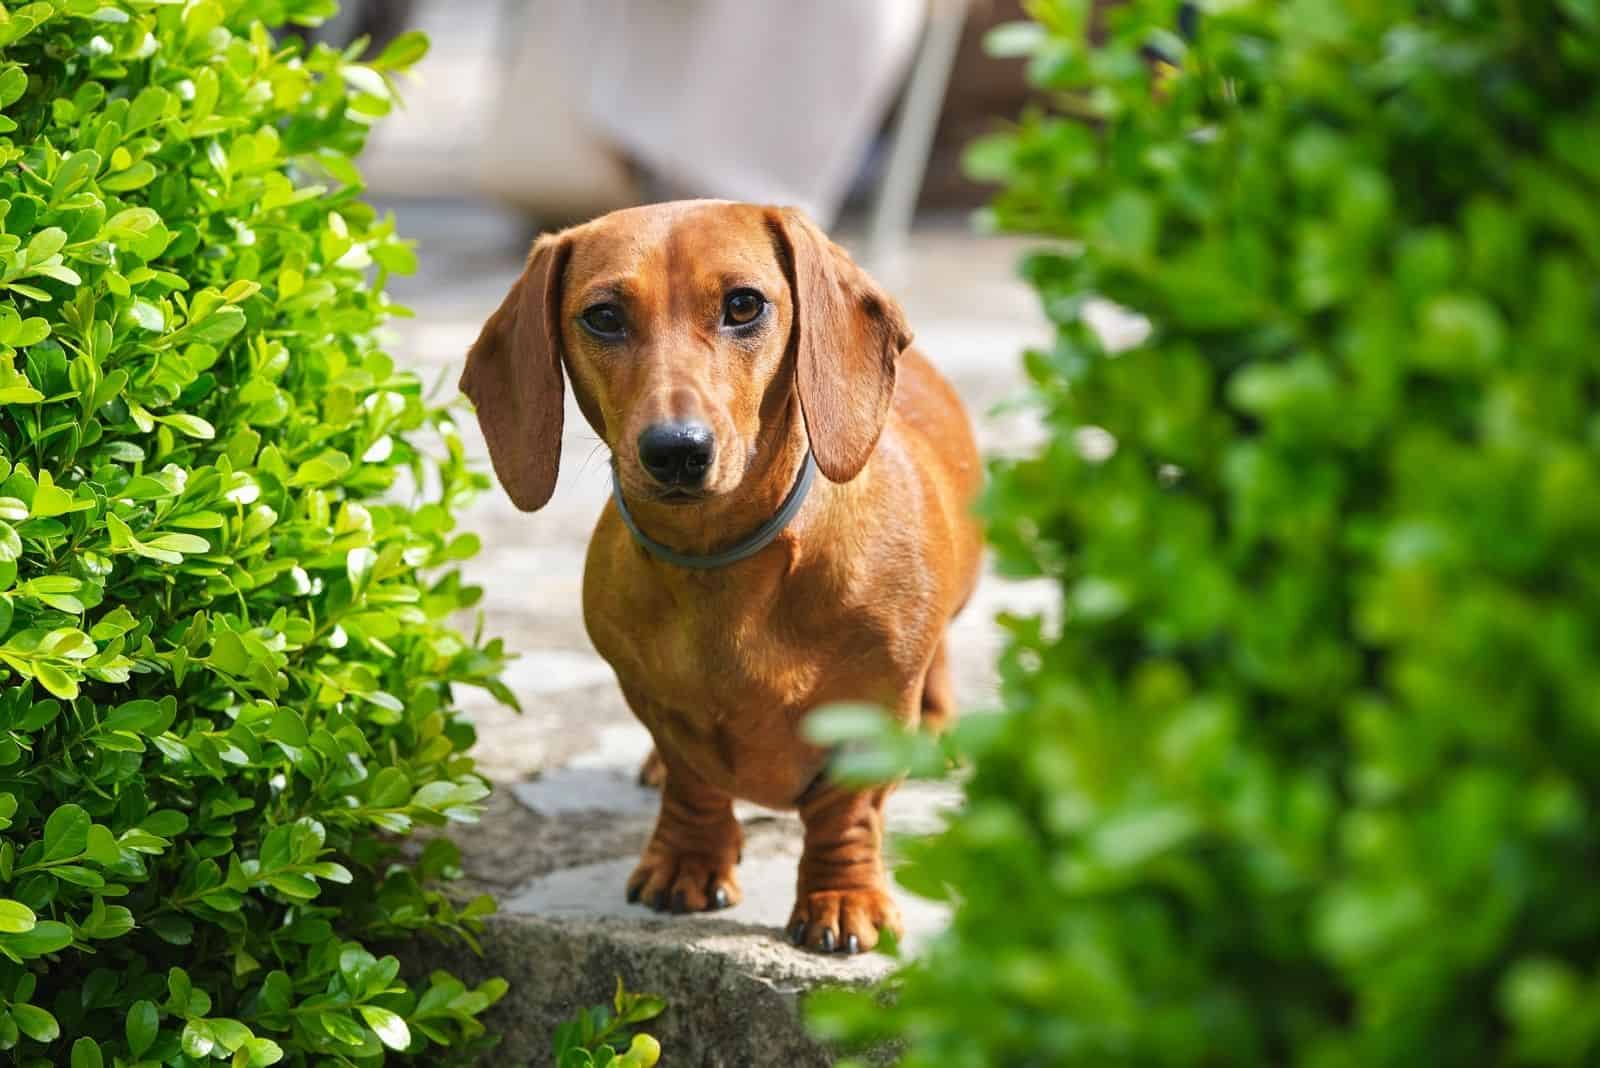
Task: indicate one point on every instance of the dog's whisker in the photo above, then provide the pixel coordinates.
(587, 460)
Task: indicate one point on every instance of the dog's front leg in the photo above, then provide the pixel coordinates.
(688, 864)
(842, 898)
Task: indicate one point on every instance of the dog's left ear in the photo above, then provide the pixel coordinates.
(847, 335)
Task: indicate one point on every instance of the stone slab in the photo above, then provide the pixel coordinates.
(732, 997)
(605, 791)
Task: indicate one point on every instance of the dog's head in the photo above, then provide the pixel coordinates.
(686, 328)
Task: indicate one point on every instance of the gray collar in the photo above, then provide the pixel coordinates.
(759, 539)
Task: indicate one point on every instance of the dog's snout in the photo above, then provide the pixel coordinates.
(677, 454)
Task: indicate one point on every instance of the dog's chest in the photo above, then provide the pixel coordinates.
(708, 651)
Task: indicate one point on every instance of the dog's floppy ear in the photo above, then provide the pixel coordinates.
(847, 334)
(513, 376)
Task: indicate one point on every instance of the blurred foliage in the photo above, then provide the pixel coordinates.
(225, 557)
(1307, 771)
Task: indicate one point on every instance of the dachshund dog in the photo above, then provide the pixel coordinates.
(726, 353)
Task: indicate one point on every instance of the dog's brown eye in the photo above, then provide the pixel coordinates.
(743, 306)
(603, 321)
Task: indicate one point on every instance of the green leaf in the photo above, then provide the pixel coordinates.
(389, 1027)
(189, 425)
(217, 327)
(35, 1022)
(229, 1034)
(137, 716)
(341, 1028)
(358, 566)
(293, 885)
(30, 331)
(137, 176)
(50, 499)
(15, 917)
(56, 680)
(1010, 39)
(643, 1052)
(66, 832)
(73, 172)
(641, 1007)
(197, 1040)
(229, 653)
(13, 83)
(327, 466)
(404, 51)
(147, 315)
(147, 108)
(261, 1052)
(142, 1026)
(46, 243)
(180, 543)
(102, 847)
(86, 1054)
(846, 722)
(47, 936)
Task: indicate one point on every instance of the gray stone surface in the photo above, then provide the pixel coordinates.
(732, 995)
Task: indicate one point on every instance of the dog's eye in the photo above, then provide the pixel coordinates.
(603, 321)
(742, 307)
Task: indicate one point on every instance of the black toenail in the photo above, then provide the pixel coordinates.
(659, 902)
(797, 932)
(633, 892)
(680, 904)
(827, 941)
(852, 944)
(720, 898)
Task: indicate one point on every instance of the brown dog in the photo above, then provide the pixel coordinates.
(717, 348)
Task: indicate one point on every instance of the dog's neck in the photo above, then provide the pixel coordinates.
(711, 526)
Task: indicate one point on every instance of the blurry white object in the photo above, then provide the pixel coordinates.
(761, 100)
(540, 152)
(764, 100)
(912, 141)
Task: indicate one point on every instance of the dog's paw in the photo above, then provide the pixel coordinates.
(843, 921)
(683, 882)
(653, 772)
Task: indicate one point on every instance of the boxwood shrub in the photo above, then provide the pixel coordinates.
(1308, 772)
(226, 531)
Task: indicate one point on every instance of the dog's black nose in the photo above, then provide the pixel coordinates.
(677, 454)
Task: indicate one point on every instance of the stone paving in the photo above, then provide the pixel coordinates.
(567, 820)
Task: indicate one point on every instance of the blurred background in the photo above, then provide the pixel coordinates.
(534, 114)
(547, 112)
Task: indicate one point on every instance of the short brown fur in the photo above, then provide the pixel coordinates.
(850, 603)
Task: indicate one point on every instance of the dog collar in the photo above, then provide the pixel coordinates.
(759, 539)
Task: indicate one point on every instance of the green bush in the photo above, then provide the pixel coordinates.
(225, 533)
(1308, 773)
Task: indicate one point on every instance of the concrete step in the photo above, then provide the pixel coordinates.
(556, 852)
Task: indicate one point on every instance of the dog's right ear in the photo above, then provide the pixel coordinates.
(514, 378)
